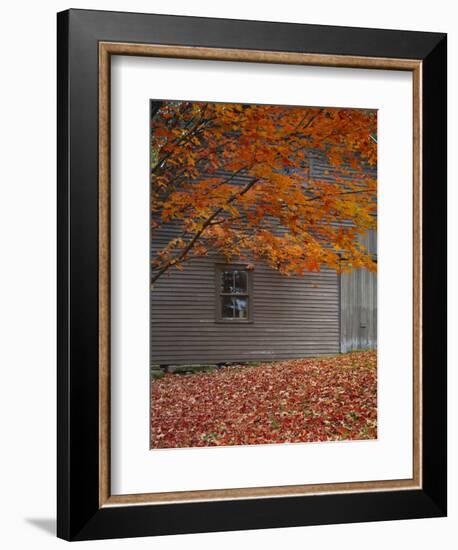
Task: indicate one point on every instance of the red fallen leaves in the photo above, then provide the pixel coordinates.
(303, 400)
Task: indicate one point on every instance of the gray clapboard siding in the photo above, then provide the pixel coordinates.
(291, 317)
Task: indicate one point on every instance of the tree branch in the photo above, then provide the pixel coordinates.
(204, 226)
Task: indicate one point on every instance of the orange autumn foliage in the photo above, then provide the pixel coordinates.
(235, 179)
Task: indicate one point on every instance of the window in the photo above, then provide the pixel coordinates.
(233, 288)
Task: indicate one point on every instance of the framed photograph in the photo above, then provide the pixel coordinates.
(252, 274)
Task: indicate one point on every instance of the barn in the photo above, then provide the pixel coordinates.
(214, 313)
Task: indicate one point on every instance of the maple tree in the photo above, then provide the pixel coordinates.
(300, 400)
(235, 179)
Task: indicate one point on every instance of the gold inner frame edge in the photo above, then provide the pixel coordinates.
(106, 50)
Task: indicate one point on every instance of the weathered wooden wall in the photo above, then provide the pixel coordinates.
(358, 297)
(292, 317)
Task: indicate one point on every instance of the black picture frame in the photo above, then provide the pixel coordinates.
(80, 516)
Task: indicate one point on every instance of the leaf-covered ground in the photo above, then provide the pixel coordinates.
(324, 399)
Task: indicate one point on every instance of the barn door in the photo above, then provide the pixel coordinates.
(358, 306)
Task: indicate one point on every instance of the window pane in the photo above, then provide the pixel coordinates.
(234, 282)
(227, 307)
(240, 307)
(240, 282)
(227, 281)
(234, 307)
